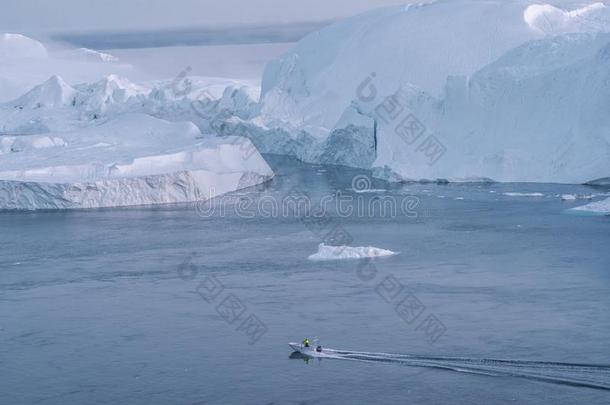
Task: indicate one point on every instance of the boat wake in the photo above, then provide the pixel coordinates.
(581, 375)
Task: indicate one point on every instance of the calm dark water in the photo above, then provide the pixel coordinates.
(109, 306)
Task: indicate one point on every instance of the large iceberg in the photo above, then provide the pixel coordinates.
(107, 144)
(451, 89)
(133, 159)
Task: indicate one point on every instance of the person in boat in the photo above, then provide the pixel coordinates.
(306, 342)
(319, 349)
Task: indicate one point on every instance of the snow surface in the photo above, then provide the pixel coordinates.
(134, 159)
(598, 207)
(326, 252)
(512, 91)
(419, 44)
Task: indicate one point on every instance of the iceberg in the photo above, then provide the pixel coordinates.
(574, 197)
(107, 144)
(420, 44)
(326, 252)
(596, 208)
(133, 159)
(55, 105)
(504, 90)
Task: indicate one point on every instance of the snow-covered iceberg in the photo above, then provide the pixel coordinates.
(449, 89)
(134, 159)
(327, 252)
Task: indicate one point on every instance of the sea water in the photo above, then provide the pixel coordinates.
(195, 304)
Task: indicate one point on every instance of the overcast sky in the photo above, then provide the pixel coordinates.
(51, 16)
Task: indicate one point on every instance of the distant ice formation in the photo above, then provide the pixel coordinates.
(518, 194)
(14, 46)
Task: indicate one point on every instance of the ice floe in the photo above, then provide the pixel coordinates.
(326, 252)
